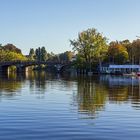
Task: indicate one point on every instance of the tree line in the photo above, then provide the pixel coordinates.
(93, 49)
(9, 52)
(40, 54)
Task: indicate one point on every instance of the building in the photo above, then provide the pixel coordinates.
(113, 69)
(74, 57)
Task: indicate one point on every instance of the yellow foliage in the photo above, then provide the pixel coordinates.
(11, 56)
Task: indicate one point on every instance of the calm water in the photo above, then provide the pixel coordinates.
(40, 106)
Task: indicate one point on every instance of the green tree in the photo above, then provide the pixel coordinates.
(10, 52)
(38, 54)
(11, 56)
(66, 56)
(91, 46)
(32, 54)
(1, 46)
(43, 52)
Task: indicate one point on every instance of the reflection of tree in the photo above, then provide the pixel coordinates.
(9, 84)
(123, 89)
(37, 80)
(118, 94)
(94, 92)
(135, 96)
(91, 96)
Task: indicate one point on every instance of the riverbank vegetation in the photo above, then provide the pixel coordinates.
(93, 49)
(90, 50)
(40, 54)
(10, 52)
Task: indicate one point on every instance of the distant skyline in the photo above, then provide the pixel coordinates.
(51, 23)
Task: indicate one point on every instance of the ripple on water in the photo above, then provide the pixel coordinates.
(69, 108)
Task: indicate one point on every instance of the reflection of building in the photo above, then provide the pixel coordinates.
(123, 81)
(119, 68)
(113, 80)
(122, 89)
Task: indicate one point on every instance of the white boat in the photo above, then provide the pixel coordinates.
(129, 74)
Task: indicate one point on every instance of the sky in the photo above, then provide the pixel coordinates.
(52, 23)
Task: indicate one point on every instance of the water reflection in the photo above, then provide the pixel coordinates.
(91, 94)
(10, 83)
(94, 92)
(65, 107)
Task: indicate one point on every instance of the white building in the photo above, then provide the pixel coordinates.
(74, 57)
(120, 68)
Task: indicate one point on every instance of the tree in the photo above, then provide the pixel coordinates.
(136, 51)
(10, 56)
(69, 55)
(43, 54)
(10, 52)
(66, 56)
(128, 45)
(117, 53)
(11, 47)
(38, 54)
(1, 46)
(31, 54)
(50, 56)
(91, 46)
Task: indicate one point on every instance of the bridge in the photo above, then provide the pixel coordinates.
(22, 65)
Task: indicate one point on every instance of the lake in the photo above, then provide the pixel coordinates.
(43, 106)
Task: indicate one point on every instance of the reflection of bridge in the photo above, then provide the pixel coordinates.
(22, 65)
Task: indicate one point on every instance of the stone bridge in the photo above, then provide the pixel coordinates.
(22, 65)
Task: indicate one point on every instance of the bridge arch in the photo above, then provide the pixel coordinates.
(4, 68)
(22, 65)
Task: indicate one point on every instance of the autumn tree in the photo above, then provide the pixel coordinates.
(117, 53)
(10, 52)
(136, 51)
(128, 45)
(11, 47)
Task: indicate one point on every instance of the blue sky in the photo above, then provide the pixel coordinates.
(51, 23)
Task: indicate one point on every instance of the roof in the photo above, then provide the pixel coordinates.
(125, 66)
